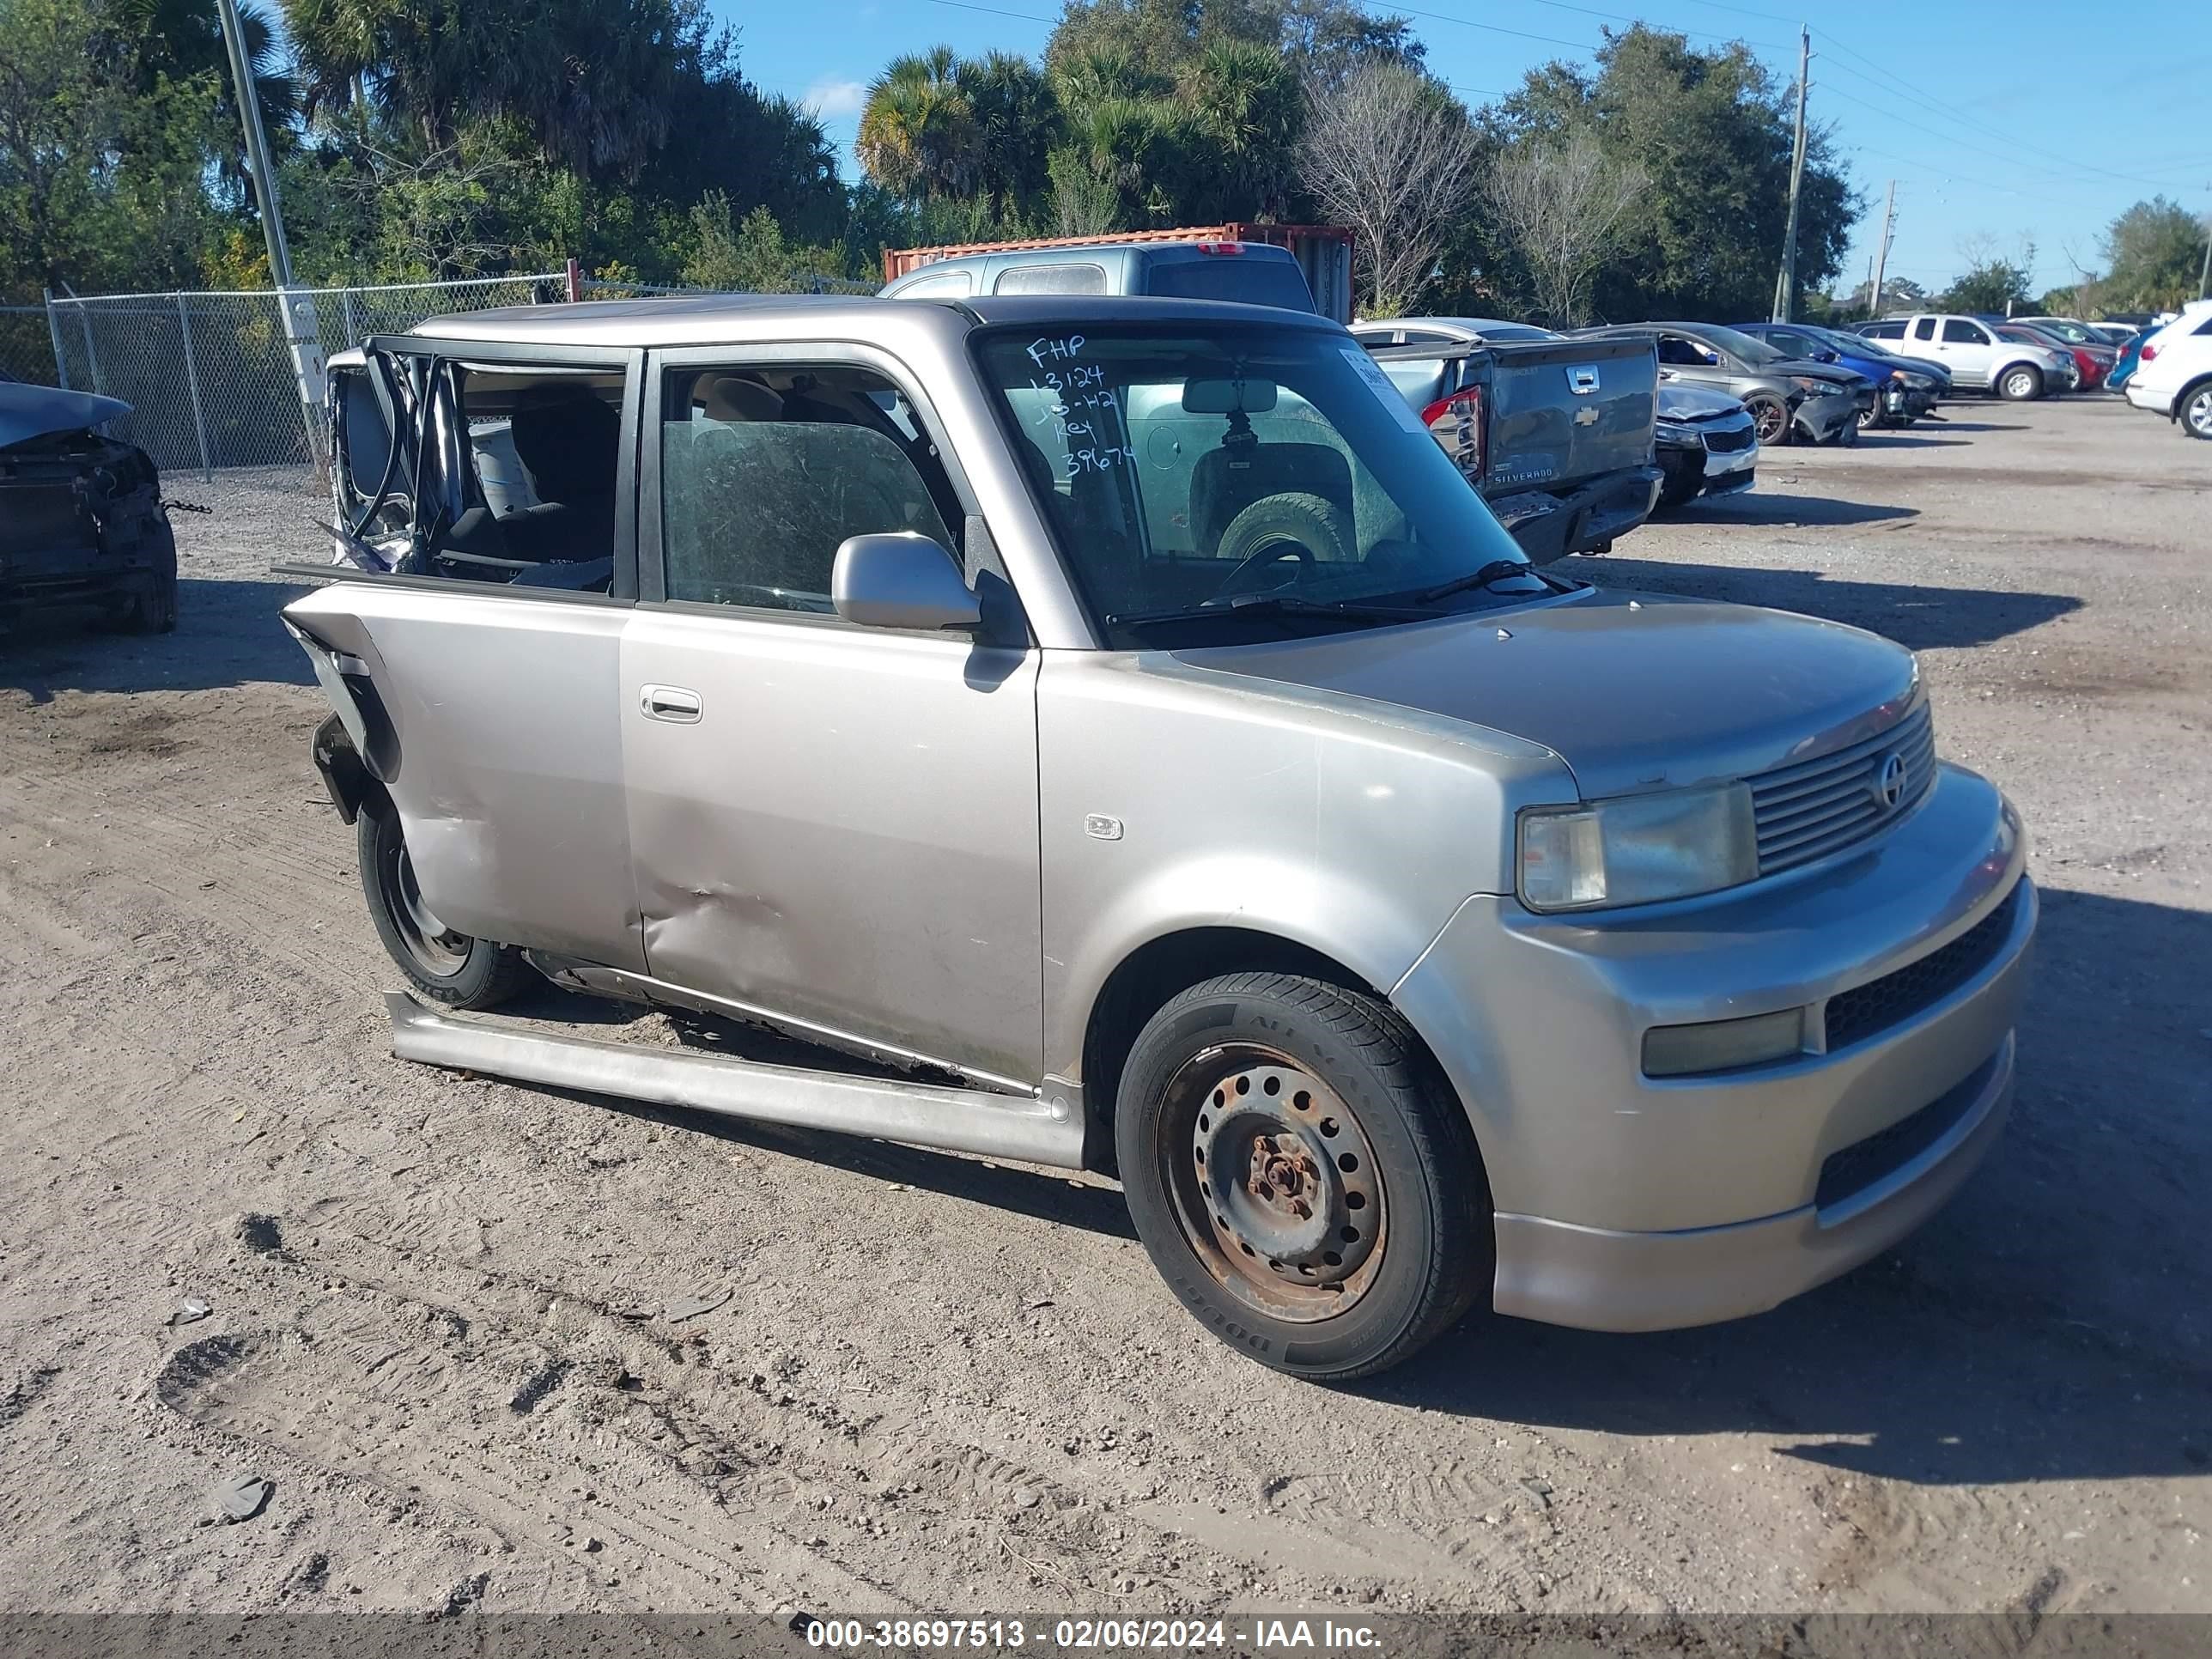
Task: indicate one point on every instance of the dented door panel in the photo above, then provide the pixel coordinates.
(799, 853)
(506, 755)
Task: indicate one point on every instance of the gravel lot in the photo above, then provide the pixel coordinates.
(439, 1303)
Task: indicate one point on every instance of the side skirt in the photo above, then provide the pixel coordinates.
(950, 1120)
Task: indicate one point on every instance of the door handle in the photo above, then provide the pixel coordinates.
(670, 702)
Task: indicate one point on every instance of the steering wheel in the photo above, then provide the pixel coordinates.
(1273, 553)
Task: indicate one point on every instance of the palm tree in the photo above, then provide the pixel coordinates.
(1248, 110)
(918, 137)
(184, 38)
(1016, 119)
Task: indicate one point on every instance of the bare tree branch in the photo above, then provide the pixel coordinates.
(1566, 206)
(1389, 153)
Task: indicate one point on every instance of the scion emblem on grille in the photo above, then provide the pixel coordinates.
(1889, 782)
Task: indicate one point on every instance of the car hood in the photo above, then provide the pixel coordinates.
(1681, 402)
(33, 412)
(1633, 691)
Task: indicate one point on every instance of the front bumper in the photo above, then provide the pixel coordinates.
(1549, 527)
(1625, 1202)
(1825, 419)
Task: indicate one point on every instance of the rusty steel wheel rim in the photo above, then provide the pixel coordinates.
(1275, 1182)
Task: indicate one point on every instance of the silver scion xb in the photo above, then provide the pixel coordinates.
(1116, 722)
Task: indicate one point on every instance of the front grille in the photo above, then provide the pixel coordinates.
(1861, 1164)
(1728, 442)
(1820, 806)
(1859, 1012)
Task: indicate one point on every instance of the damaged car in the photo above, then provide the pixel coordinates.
(1112, 736)
(1707, 444)
(82, 520)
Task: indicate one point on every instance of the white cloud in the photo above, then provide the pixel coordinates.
(835, 99)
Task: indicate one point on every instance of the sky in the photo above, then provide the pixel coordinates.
(2005, 123)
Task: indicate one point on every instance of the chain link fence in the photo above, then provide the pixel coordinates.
(26, 344)
(210, 376)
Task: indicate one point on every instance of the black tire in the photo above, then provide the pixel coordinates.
(1773, 418)
(1293, 519)
(2193, 409)
(2020, 384)
(453, 969)
(1318, 1097)
(151, 606)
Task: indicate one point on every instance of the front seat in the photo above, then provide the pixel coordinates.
(569, 440)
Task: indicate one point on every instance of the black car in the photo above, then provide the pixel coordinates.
(80, 515)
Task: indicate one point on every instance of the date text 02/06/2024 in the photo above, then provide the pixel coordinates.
(1155, 1635)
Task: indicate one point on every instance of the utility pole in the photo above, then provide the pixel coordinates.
(2204, 276)
(1785, 280)
(1881, 258)
(296, 310)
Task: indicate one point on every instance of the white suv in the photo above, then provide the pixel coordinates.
(2175, 377)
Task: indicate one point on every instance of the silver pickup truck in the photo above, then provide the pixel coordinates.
(1559, 435)
(1111, 732)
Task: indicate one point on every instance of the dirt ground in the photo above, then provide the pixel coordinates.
(439, 1306)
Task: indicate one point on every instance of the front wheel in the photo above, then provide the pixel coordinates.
(1306, 1185)
(447, 966)
(1771, 417)
(2020, 385)
(151, 607)
(2196, 411)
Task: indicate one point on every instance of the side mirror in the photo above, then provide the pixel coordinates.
(901, 579)
(1827, 355)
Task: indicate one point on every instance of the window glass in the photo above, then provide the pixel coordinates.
(1068, 278)
(1179, 470)
(1886, 331)
(1959, 332)
(939, 285)
(1924, 329)
(766, 469)
(1247, 278)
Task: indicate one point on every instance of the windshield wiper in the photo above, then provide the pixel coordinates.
(1273, 604)
(1496, 570)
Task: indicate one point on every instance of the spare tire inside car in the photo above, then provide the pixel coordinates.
(1292, 520)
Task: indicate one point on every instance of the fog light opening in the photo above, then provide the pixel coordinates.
(1723, 1045)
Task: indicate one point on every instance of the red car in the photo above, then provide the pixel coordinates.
(2094, 362)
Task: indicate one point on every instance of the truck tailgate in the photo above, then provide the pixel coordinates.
(1558, 412)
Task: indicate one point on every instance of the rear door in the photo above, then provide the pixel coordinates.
(494, 702)
(834, 827)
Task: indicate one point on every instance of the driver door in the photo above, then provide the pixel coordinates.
(832, 826)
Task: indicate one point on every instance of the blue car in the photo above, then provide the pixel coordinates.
(1908, 390)
(2130, 358)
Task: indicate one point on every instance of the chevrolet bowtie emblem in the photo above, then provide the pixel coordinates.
(1586, 417)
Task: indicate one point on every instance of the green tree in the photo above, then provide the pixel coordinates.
(2153, 255)
(1712, 132)
(1989, 284)
(752, 255)
(102, 164)
(918, 136)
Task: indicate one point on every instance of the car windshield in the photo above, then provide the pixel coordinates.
(1203, 482)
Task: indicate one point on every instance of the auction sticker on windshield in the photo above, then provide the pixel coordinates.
(1379, 384)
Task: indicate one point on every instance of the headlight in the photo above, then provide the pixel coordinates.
(1813, 388)
(1899, 374)
(1638, 849)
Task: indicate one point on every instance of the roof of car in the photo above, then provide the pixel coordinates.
(707, 319)
(1475, 327)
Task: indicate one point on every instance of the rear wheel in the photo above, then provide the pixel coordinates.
(2196, 411)
(2021, 383)
(1300, 1178)
(1772, 416)
(453, 967)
